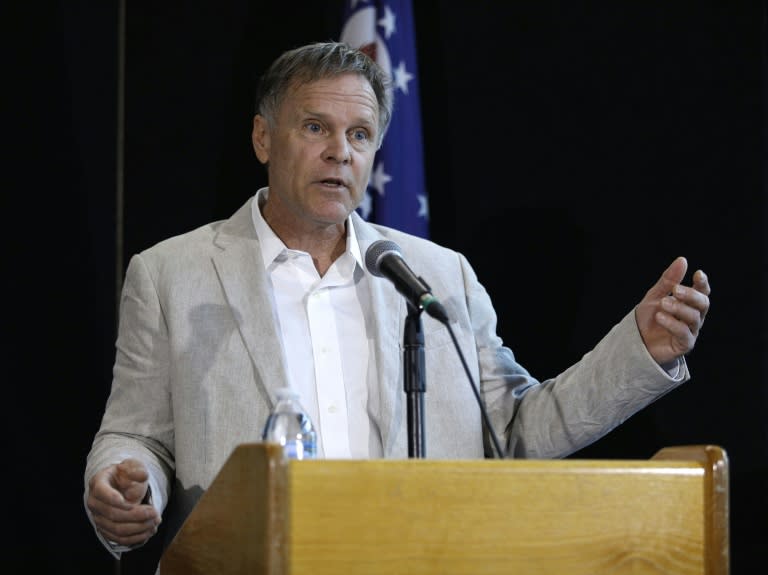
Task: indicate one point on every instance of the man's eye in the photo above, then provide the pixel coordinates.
(360, 135)
(314, 127)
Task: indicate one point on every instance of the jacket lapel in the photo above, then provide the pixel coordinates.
(386, 396)
(243, 277)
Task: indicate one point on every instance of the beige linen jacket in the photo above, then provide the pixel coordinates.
(198, 360)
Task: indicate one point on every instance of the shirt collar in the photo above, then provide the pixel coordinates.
(272, 246)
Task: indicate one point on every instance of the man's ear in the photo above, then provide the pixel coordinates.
(260, 138)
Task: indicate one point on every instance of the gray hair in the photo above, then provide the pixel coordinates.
(318, 61)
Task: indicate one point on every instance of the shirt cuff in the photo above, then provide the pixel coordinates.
(674, 368)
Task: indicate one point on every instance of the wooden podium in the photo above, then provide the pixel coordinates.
(665, 515)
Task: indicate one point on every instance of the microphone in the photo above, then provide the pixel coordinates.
(384, 259)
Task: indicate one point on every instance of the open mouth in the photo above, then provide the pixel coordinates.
(336, 182)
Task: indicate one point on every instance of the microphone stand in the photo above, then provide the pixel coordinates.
(414, 380)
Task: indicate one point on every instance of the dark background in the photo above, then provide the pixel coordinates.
(572, 151)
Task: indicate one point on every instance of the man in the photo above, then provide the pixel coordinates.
(214, 321)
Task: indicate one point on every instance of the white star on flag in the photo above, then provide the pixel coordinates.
(380, 178)
(365, 206)
(388, 22)
(423, 205)
(402, 77)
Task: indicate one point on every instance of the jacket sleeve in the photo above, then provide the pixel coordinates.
(555, 417)
(138, 419)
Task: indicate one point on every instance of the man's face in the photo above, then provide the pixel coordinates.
(320, 151)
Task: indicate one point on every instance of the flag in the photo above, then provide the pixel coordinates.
(396, 194)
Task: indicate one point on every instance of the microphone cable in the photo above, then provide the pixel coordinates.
(480, 403)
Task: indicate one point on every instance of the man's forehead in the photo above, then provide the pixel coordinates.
(321, 94)
(348, 83)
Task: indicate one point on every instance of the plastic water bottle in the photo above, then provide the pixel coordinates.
(290, 426)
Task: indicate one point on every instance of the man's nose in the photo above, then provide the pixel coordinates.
(338, 149)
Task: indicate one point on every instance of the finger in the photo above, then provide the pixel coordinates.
(682, 337)
(701, 285)
(681, 311)
(102, 492)
(114, 515)
(98, 501)
(126, 533)
(124, 522)
(131, 470)
(131, 479)
(671, 277)
(696, 300)
(129, 541)
(701, 282)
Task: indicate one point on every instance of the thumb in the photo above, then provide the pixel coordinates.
(131, 478)
(671, 277)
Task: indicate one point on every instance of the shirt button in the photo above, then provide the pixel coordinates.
(331, 409)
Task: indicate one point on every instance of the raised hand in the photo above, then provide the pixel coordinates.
(670, 315)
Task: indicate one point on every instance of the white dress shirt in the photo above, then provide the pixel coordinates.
(321, 320)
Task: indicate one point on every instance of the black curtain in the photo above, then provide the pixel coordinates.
(571, 152)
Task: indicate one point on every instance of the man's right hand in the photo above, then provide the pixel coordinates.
(116, 501)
